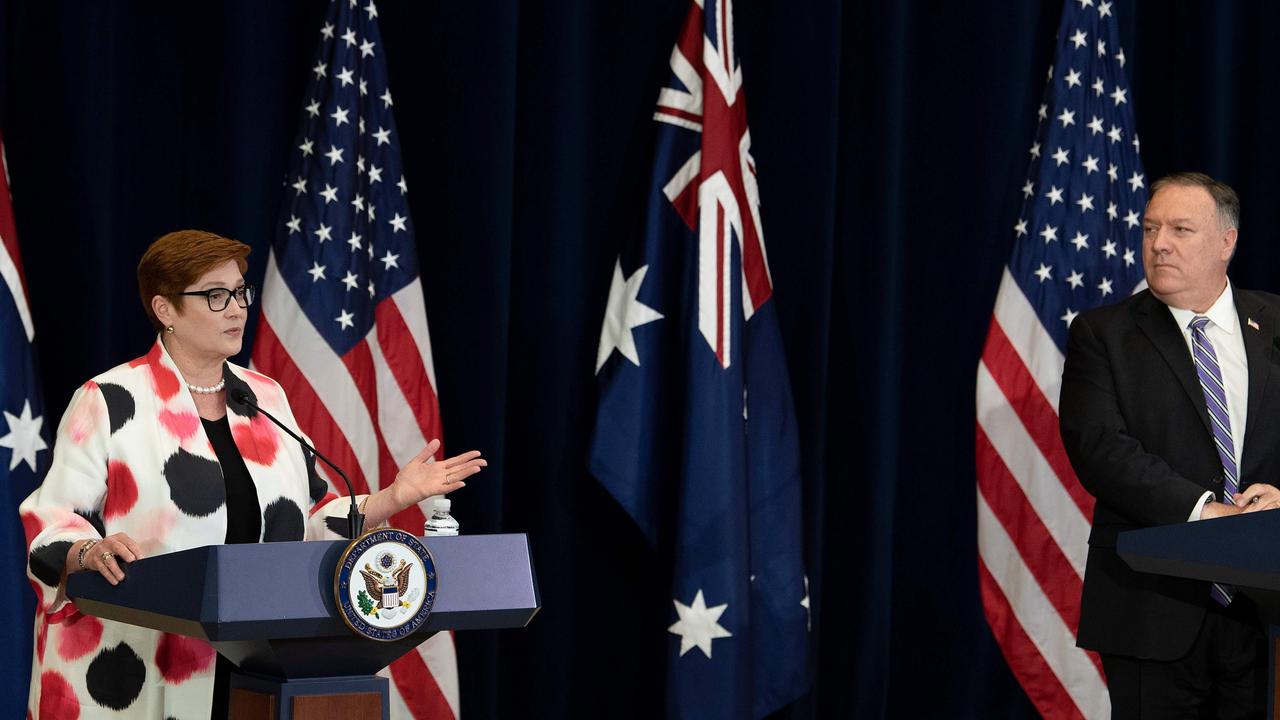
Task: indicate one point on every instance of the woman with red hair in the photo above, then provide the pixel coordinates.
(149, 459)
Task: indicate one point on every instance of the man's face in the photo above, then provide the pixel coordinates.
(1184, 251)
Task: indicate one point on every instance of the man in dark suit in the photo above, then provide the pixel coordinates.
(1168, 412)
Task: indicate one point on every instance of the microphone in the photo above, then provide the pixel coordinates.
(355, 520)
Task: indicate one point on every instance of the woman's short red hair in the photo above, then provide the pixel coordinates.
(178, 259)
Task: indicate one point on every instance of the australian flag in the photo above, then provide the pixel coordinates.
(24, 456)
(695, 432)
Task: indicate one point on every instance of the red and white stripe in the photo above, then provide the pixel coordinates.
(1033, 516)
(371, 411)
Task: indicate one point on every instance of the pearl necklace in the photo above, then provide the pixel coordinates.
(211, 390)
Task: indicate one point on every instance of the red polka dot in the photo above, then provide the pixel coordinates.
(263, 387)
(122, 490)
(79, 636)
(83, 418)
(57, 698)
(31, 525)
(164, 380)
(178, 657)
(182, 425)
(42, 633)
(257, 440)
(64, 613)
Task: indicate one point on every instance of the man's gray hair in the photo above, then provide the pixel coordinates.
(1226, 200)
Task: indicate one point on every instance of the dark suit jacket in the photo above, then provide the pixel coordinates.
(1136, 429)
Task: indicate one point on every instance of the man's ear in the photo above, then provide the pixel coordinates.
(1229, 243)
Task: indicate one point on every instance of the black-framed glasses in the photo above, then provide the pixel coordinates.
(220, 298)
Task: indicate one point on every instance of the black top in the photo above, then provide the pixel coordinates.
(244, 525)
(244, 521)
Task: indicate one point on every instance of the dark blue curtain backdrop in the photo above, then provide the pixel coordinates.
(891, 141)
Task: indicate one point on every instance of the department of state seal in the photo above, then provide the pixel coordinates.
(385, 584)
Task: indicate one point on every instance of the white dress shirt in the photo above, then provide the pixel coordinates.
(1227, 338)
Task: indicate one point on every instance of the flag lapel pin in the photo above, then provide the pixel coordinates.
(1253, 324)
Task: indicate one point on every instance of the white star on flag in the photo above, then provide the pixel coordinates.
(698, 625)
(23, 437)
(804, 603)
(345, 319)
(624, 313)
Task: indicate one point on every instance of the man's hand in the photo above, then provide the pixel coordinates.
(1258, 496)
(1216, 509)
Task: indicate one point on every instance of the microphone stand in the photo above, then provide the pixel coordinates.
(355, 520)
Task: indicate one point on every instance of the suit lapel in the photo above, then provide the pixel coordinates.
(1257, 350)
(1158, 325)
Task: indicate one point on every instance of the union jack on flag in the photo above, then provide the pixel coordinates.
(344, 327)
(695, 431)
(1077, 245)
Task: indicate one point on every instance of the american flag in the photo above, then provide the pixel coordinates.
(24, 456)
(1077, 245)
(695, 431)
(344, 327)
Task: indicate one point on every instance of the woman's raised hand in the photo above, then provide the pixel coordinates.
(421, 478)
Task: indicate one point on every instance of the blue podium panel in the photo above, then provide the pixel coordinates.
(269, 607)
(1242, 550)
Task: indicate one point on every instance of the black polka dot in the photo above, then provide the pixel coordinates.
(283, 520)
(195, 483)
(95, 519)
(120, 405)
(315, 484)
(236, 386)
(337, 525)
(115, 677)
(47, 562)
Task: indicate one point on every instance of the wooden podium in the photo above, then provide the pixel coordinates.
(1241, 550)
(269, 609)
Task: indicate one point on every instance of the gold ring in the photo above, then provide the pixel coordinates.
(107, 555)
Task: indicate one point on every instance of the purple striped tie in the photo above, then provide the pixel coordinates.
(1215, 398)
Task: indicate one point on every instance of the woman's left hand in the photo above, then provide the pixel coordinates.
(421, 478)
